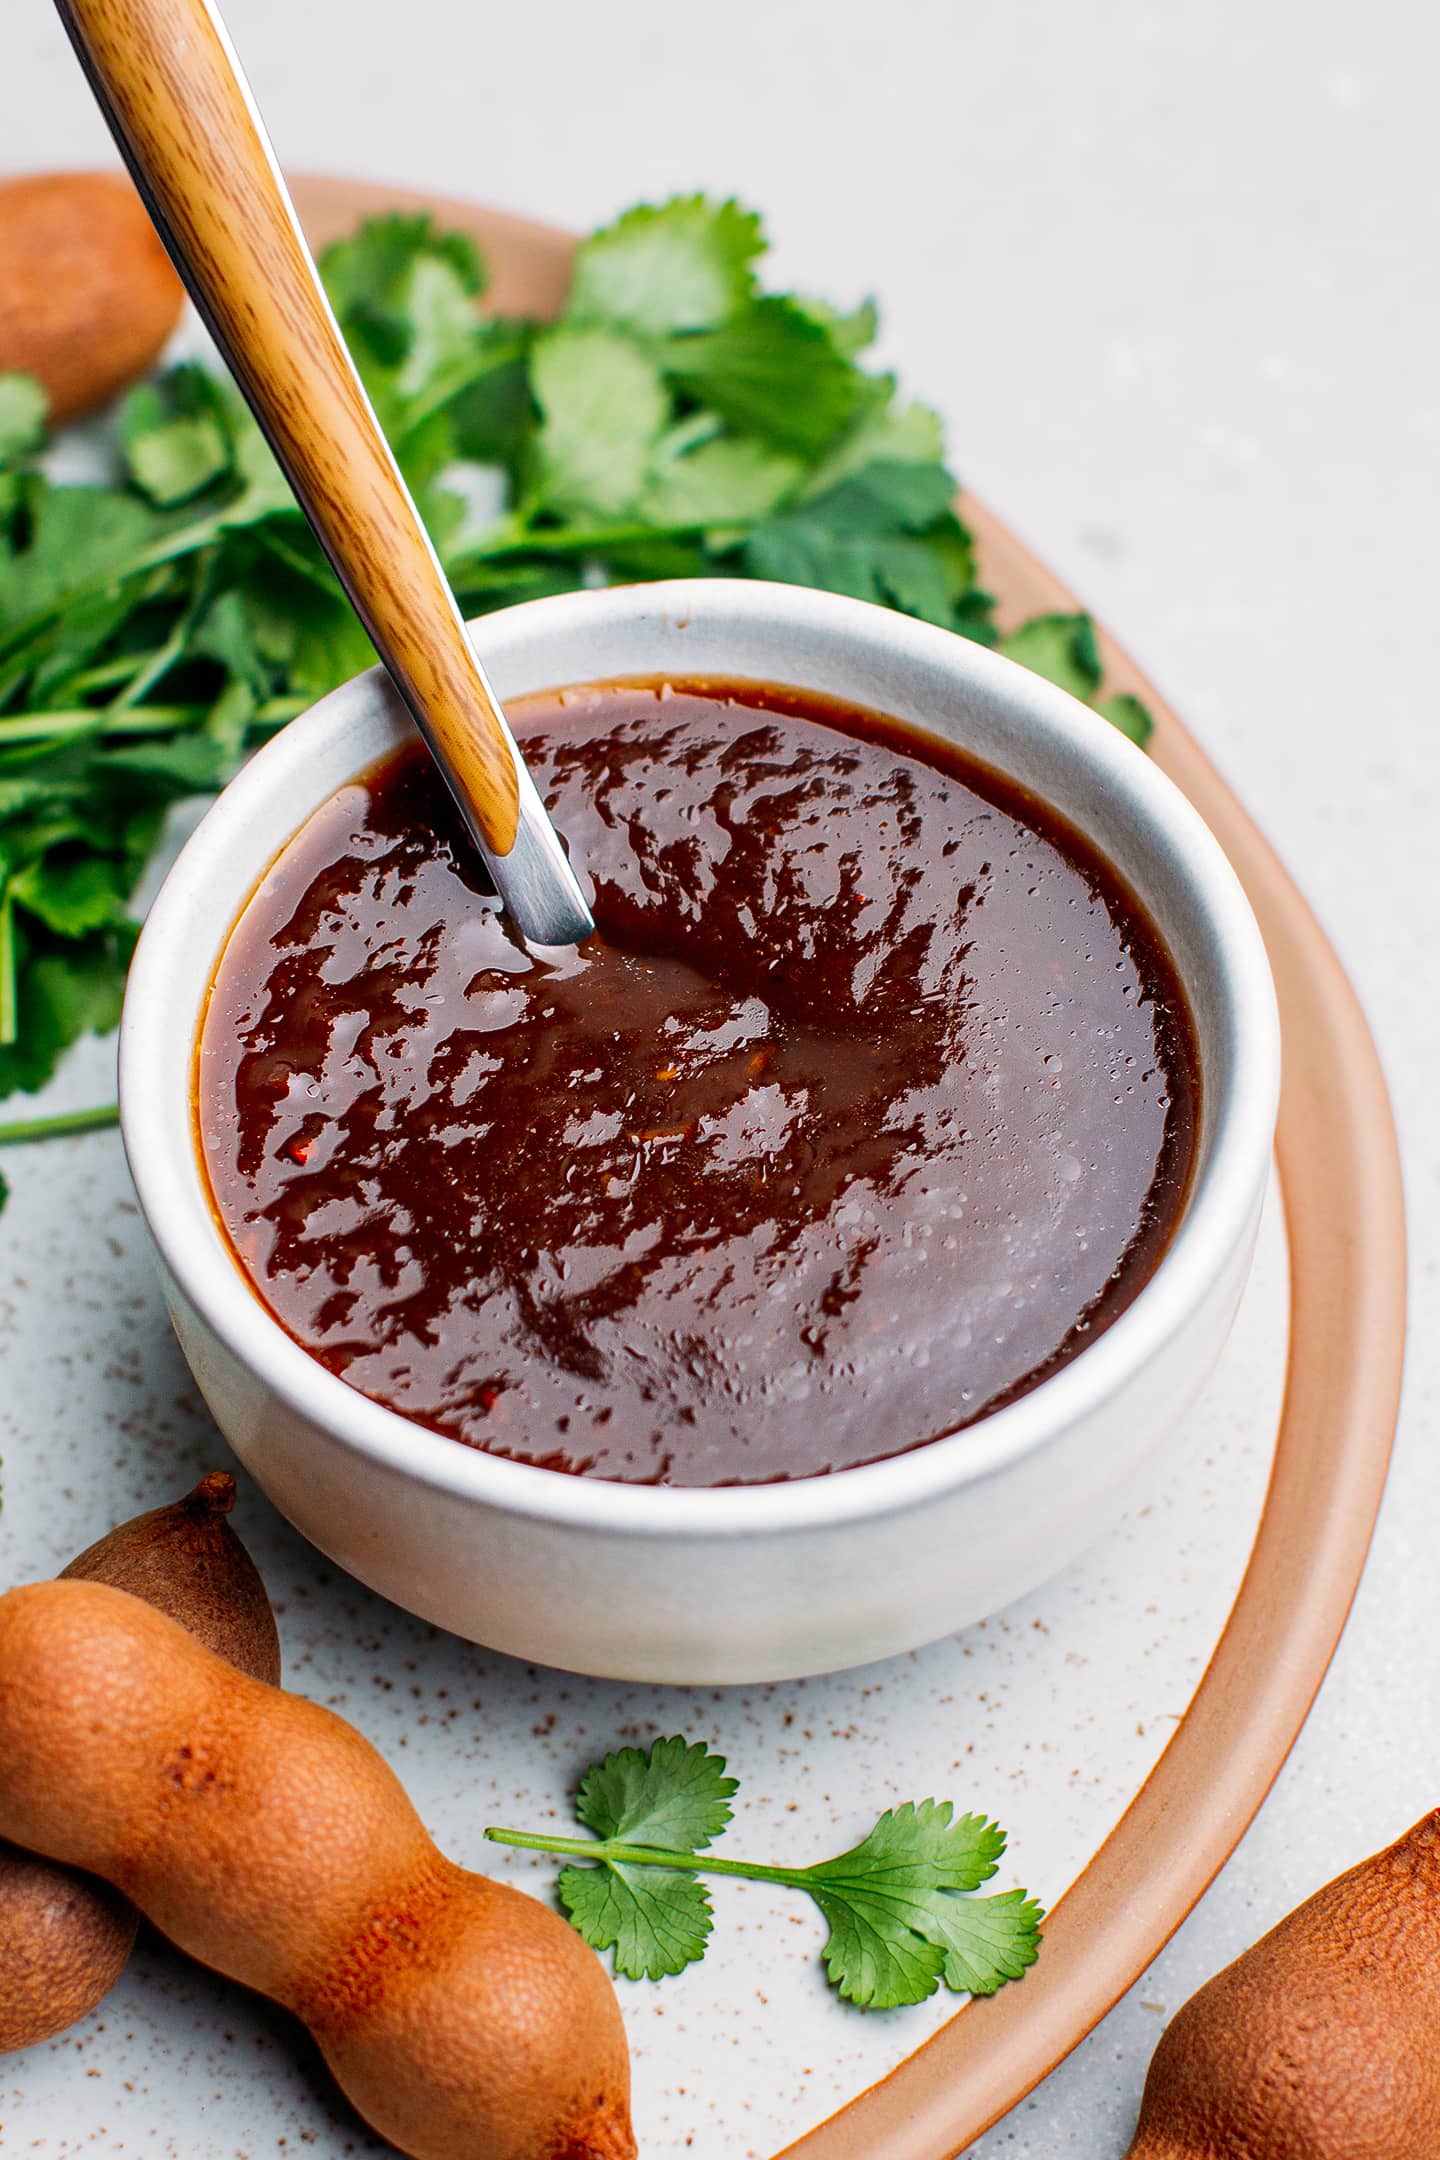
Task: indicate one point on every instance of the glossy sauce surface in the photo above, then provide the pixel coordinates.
(873, 1098)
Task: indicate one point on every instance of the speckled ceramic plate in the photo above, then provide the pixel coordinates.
(1125, 1722)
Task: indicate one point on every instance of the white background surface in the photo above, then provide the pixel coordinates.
(1170, 274)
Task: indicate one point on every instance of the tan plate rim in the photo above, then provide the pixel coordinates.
(1347, 1330)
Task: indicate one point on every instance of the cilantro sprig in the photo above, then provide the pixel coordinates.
(677, 419)
(902, 1916)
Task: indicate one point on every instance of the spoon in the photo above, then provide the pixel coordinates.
(168, 82)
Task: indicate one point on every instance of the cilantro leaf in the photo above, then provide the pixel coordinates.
(887, 494)
(225, 633)
(907, 1880)
(372, 275)
(170, 459)
(264, 489)
(885, 533)
(1129, 714)
(850, 332)
(773, 371)
(986, 1941)
(674, 1794)
(65, 990)
(922, 1843)
(602, 407)
(492, 415)
(882, 433)
(73, 893)
(870, 1961)
(656, 1922)
(296, 618)
(680, 265)
(443, 319)
(79, 537)
(731, 481)
(23, 406)
(1062, 648)
(172, 463)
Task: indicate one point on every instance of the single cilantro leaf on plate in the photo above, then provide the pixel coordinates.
(673, 1794)
(872, 1962)
(986, 1941)
(602, 407)
(656, 1920)
(772, 371)
(1062, 648)
(922, 1842)
(679, 265)
(900, 1915)
(883, 1954)
(23, 407)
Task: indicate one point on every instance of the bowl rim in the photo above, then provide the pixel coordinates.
(1219, 1212)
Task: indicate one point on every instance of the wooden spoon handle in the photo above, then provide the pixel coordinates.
(168, 79)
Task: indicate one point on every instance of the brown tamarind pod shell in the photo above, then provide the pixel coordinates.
(65, 1937)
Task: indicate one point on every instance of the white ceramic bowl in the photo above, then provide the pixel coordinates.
(740, 1584)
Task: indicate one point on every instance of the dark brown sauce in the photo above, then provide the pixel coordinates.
(872, 1100)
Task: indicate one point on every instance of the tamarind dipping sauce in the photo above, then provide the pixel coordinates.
(871, 1101)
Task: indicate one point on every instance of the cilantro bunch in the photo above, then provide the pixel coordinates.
(901, 1916)
(677, 420)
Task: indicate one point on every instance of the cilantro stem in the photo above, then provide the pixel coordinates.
(616, 1852)
(25, 727)
(20, 1130)
(515, 537)
(109, 672)
(97, 720)
(158, 664)
(9, 1003)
